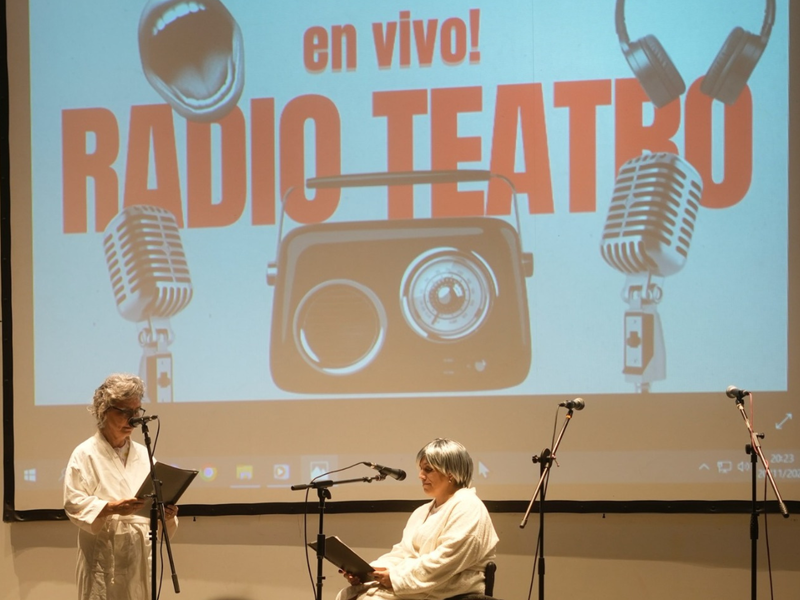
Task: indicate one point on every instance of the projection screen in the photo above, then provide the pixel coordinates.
(325, 233)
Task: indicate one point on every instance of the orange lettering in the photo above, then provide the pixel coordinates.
(78, 165)
(738, 146)
(448, 149)
(633, 138)
(399, 109)
(520, 106)
(201, 209)
(582, 98)
(327, 128)
(153, 122)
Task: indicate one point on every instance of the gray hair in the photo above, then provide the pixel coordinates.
(118, 387)
(449, 458)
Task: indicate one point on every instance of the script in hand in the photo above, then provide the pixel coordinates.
(174, 482)
(340, 554)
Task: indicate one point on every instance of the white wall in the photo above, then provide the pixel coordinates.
(587, 556)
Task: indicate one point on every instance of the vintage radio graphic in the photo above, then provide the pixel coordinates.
(398, 306)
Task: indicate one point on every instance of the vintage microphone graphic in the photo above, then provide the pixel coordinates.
(647, 235)
(151, 283)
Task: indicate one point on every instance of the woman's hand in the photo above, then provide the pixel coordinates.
(127, 506)
(351, 579)
(381, 575)
(170, 511)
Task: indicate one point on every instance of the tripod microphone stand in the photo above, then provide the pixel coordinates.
(324, 493)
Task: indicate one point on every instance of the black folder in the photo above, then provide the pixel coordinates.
(174, 482)
(340, 554)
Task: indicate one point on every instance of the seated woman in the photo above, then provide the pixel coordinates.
(446, 543)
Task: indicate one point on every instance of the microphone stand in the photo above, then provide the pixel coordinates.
(323, 493)
(156, 516)
(545, 460)
(755, 452)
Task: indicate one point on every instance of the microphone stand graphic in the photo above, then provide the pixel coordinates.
(647, 235)
(645, 356)
(151, 283)
(155, 366)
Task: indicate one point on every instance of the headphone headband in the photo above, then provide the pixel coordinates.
(769, 21)
(624, 38)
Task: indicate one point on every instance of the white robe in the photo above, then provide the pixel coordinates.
(113, 552)
(441, 554)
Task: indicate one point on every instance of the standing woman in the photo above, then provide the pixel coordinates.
(102, 477)
(446, 543)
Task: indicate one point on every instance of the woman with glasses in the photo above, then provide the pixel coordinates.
(100, 483)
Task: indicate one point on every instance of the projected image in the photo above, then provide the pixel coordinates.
(401, 288)
(340, 254)
(193, 55)
(648, 231)
(726, 77)
(423, 305)
(151, 283)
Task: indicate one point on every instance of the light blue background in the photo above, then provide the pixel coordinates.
(724, 315)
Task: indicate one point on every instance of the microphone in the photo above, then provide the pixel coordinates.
(734, 392)
(576, 404)
(136, 421)
(146, 263)
(398, 474)
(150, 280)
(647, 235)
(652, 215)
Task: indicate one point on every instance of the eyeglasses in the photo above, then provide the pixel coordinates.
(130, 413)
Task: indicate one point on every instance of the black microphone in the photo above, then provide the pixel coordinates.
(576, 404)
(736, 393)
(652, 215)
(136, 421)
(146, 263)
(398, 474)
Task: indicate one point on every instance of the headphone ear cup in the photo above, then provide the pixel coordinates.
(733, 65)
(655, 71)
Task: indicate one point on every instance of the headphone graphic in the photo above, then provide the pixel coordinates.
(724, 80)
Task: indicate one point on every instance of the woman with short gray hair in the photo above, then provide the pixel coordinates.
(446, 543)
(100, 483)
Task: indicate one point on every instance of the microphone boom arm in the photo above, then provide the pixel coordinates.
(328, 483)
(546, 460)
(755, 452)
(756, 448)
